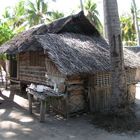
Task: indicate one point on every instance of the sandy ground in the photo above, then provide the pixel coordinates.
(17, 124)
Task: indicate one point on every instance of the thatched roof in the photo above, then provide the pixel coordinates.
(76, 53)
(136, 49)
(73, 24)
(72, 43)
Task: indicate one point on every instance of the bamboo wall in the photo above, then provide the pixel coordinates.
(51, 69)
(38, 68)
(137, 77)
(100, 90)
(31, 67)
(75, 100)
(35, 67)
(76, 94)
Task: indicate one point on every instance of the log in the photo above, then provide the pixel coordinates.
(75, 87)
(75, 82)
(30, 98)
(42, 111)
(76, 92)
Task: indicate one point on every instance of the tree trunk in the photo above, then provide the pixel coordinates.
(81, 4)
(136, 23)
(112, 26)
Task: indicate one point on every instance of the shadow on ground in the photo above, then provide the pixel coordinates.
(127, 121)
(17, 124)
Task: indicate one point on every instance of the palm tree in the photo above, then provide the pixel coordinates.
(128, 30)
(15, 17)
(119, 87)
(54, 15)
(5, 33)
(92, 14)
(81, 4)
(36, 12)
(134, 11)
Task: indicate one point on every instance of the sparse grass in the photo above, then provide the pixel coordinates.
(120, 123)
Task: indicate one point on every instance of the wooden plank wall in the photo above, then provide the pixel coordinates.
(100, 90)
(51, 69)
(32, 67)
(75, 100)
(35, 66)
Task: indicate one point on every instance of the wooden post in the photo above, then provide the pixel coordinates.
(30, 98)
(91, 93)
(67, 106)
(42, 111)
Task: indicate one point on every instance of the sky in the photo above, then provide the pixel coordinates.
(69, 5)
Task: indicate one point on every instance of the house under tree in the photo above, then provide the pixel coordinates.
(71, 54)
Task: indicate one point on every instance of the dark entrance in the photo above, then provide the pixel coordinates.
(13, 66)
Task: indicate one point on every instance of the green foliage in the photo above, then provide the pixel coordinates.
(54, 15)
(5, 33)
(92, 14)
(15, 17)
(24, 15)
(128, 30)
(36, 12)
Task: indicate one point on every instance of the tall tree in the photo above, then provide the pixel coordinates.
(134, 10)
(36, 12)
(128, 30)
(119, 86)
(15, 17)
(81, 5)
(92, 14)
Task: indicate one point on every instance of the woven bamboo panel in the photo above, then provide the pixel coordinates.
(102, 79)
(75, 99)
(131, 74)
(100, 89)
(76, 103)
(70, 104)
(131, 92)
(102, 98)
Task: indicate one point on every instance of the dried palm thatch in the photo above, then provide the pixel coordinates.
(73, 44)
(136, 50)
(22, 39)
(76, 53)
(75, 23)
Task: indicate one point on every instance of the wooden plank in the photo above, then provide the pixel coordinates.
(76, 81)
(30, 98)
(14, 80)
(42, 111)
(91, 94)
(33, 67)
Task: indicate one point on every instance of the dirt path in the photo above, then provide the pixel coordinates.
(17, 124)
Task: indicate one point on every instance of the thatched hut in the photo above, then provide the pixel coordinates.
(136, 50)
(70, 54)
